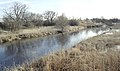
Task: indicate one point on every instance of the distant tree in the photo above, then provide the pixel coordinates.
(61, 22)
(38, 20)
(1, 25)
(49, 17)
(33, 20)
(114, 20)
(73, 22)
(105, 21)
(15, 16)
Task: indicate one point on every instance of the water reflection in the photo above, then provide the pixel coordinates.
(20, 51)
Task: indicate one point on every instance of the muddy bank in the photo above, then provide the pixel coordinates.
(14, 37)
(34, 33)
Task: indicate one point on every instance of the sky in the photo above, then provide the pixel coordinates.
(71, 8)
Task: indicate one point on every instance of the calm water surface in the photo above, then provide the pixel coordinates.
(26, 50)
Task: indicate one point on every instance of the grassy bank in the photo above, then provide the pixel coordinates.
(6, 36)
(95, 54)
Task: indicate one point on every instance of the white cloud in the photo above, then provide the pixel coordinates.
(5, 2)
(11, 1)
(92, 8)
(76, 8)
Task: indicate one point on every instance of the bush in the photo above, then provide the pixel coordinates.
(73, 22)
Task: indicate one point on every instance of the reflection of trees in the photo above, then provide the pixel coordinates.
(49, 42)
(87, 30)
(14, 49)
(62, 39)
(94, 30)
(74, 33)
(21, 48)
(10, 49)
(18, 48)
(98, 30)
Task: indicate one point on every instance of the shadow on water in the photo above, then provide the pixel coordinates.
(26, 50)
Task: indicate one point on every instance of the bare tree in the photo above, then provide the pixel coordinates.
(74, 22)
(33, 20)
(49, 16)
(37, 19)
(15, 16)
(61, 22)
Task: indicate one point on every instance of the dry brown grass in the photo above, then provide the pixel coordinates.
(85, 56)
(6, 36)
(80, 61)
(77, 60)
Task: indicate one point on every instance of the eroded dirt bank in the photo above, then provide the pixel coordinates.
(33, 33)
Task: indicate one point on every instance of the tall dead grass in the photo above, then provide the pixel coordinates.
(77, 60)
(90, 55)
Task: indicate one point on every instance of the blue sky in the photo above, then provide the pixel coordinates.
(71, 8)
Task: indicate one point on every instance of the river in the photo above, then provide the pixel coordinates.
(18, 52)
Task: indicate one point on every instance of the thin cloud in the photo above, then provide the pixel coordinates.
(76, 8)
(6, 2)
(22, 1)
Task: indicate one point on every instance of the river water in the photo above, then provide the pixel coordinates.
(18, 52)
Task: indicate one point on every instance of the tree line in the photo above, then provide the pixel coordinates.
(18, 17)
(108, 22)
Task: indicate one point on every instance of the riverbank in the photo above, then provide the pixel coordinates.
(33, 33)
(100, 53)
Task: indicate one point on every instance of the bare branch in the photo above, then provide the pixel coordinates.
(16, 15)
